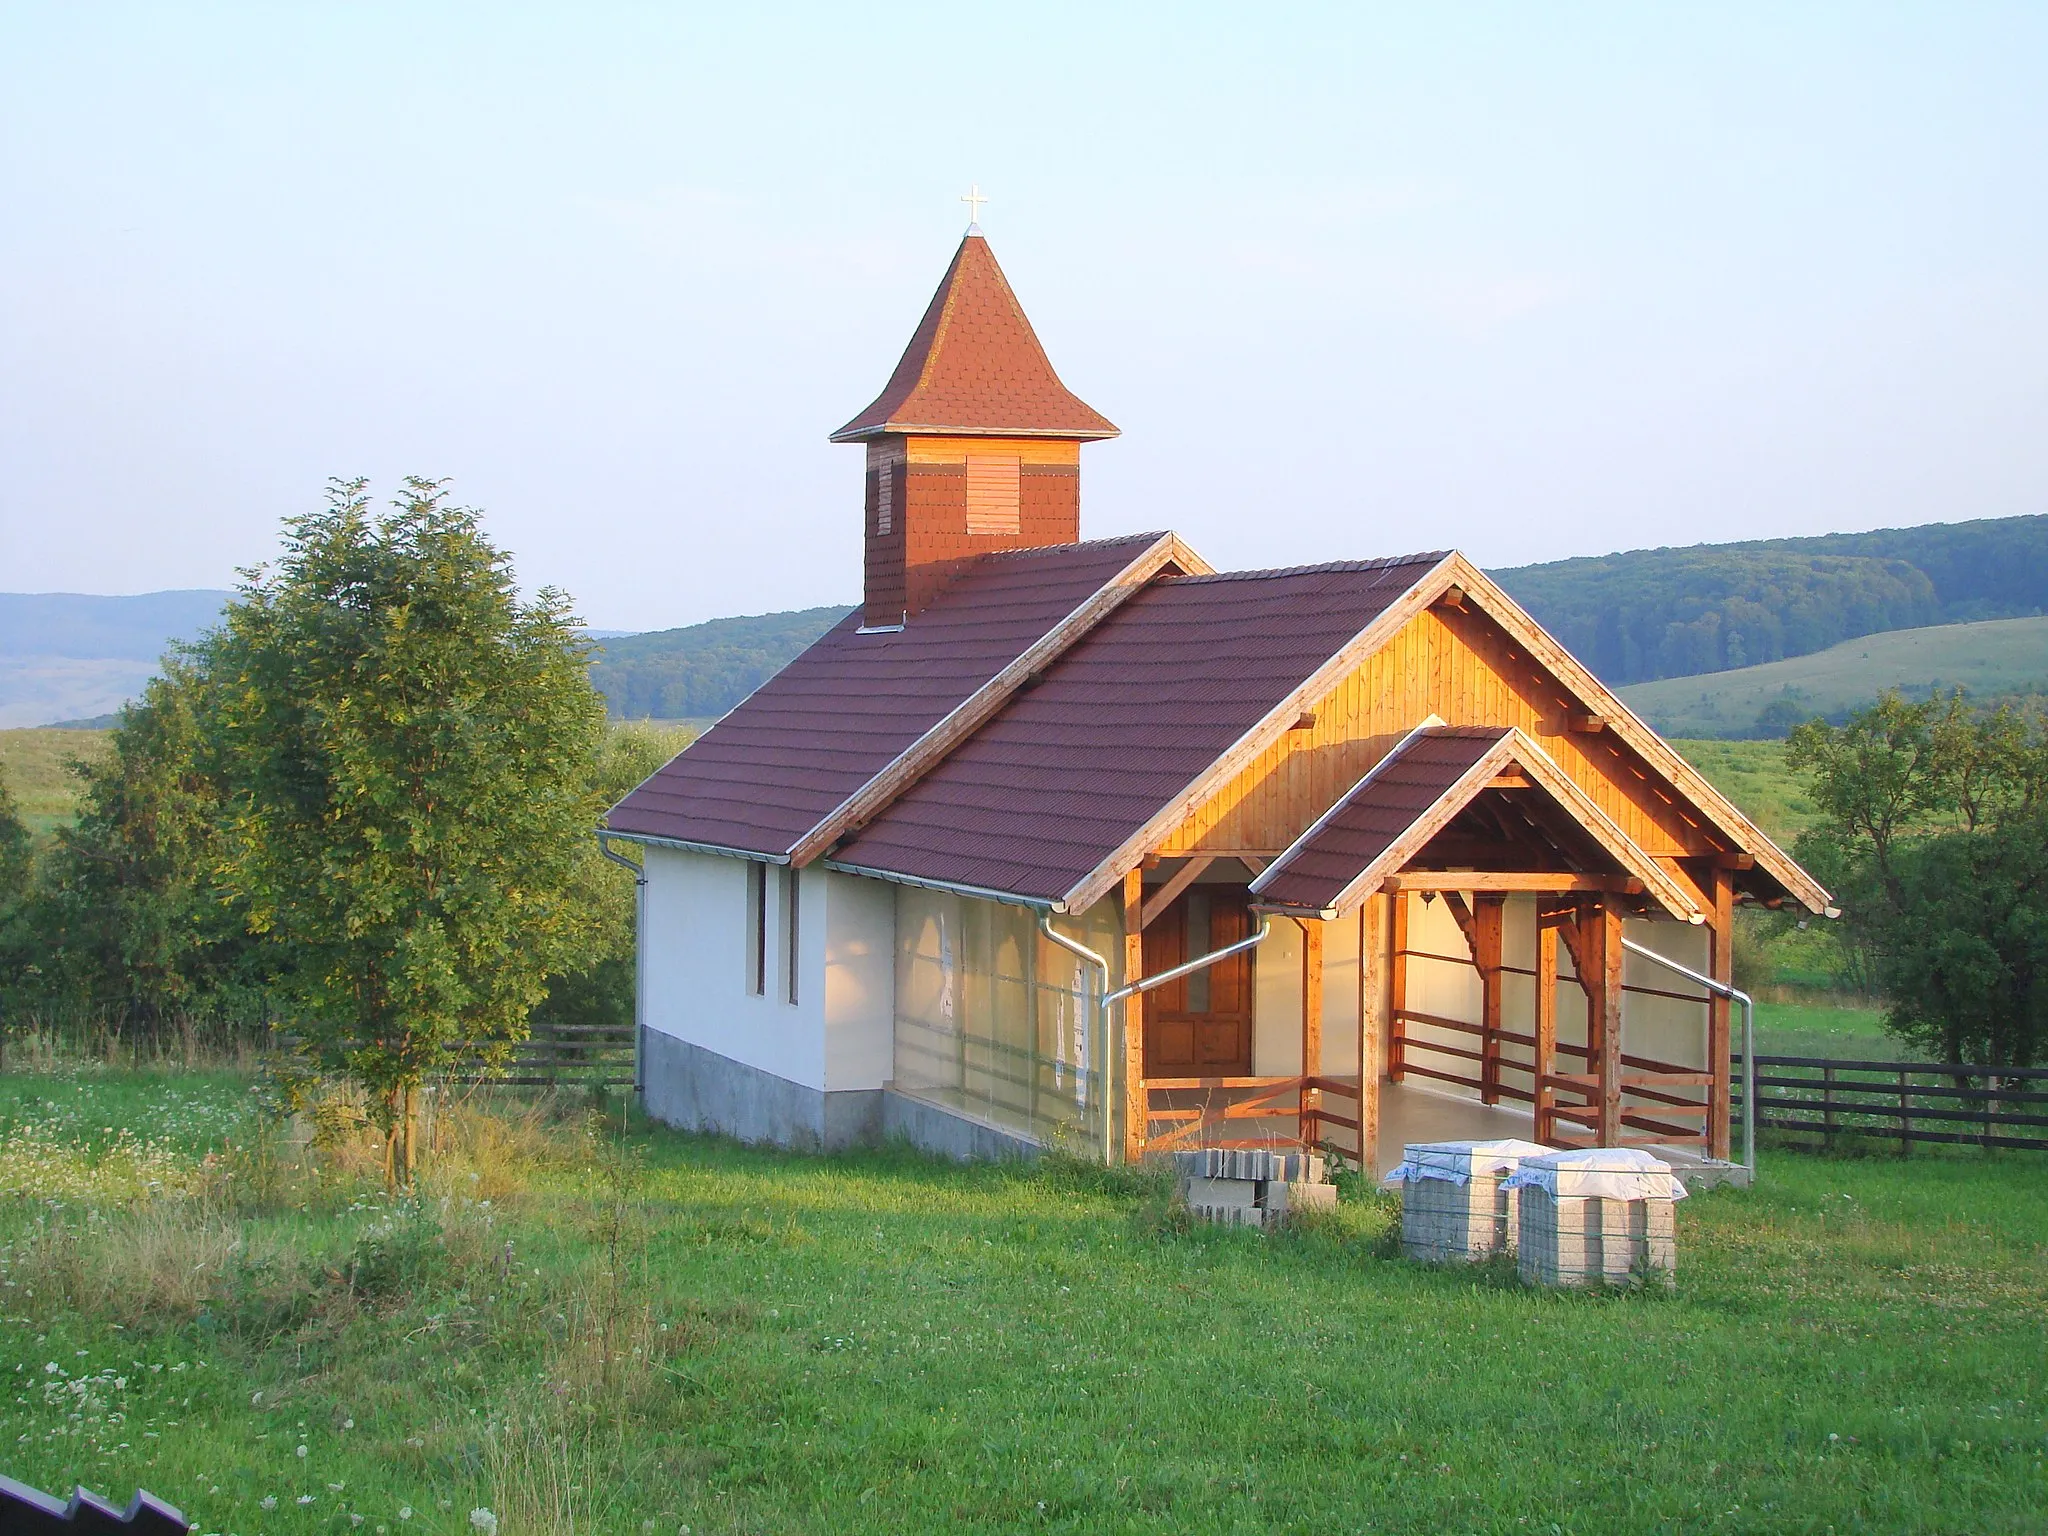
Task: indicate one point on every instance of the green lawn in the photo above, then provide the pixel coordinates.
(675, 1333)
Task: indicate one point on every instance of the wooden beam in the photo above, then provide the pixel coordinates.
(1311, 1025)
(1487, 923)
(1372, 1003)
(1546, 1028)
(1721, 967)
(1511, 778)
(1255, 862)
(1582, 723)
(1162, 898)
(1135, 1101)
(1603, 932)
(1475, 880)
(1397, 986)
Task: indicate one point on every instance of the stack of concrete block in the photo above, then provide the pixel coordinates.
(1454, 1208)
(1599, 1217)
(1250, 1186)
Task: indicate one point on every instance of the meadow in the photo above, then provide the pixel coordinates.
(33, 764)
(1990, 658)
(583, 1324)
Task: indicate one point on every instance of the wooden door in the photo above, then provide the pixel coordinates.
(1200, 1025)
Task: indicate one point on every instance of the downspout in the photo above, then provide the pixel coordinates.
(1144, 984)
(604, 846)
(1722, 989)
(1088, 956)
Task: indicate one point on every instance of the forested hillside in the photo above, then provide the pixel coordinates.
(1655, 613)
(700, 672)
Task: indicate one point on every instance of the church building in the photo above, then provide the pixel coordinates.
(1081, 843)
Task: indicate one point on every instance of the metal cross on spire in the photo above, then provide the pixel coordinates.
(974, 200)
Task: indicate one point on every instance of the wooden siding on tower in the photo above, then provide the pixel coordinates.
(1460, 667)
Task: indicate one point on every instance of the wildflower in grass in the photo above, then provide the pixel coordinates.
(268, 1501)
(484, 1521)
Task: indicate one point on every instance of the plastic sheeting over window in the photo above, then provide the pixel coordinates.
(993, 1020)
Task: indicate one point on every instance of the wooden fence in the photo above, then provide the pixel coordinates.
(567, 1055)
(1829, 1103)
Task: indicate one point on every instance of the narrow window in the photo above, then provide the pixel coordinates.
(792, 951)
(1199, 944)
(992, 494)
(757, 928)
(885, 497)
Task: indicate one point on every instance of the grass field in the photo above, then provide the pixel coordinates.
(1993, 657)
(662, 1334)
(33, 763)
(1816, 1029)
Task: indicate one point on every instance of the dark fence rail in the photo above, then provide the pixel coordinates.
(26, 1511)
(1832, 1103)
(565, 1055)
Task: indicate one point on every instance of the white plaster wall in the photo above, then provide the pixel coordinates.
(1276, 1000)
(1664, 1028)
(1448, 988)
(859, 961)
(696, 966)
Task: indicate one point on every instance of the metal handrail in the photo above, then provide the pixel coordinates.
(1735, 994)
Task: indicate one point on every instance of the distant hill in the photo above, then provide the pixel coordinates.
(69, 656)
(1657, 613)
(700, 672)
(1999, 657)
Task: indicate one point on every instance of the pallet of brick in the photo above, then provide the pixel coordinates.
(1251, 1186)
(1454, 1208)
(1604, 1216)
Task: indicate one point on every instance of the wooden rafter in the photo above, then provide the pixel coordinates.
(1163, 898)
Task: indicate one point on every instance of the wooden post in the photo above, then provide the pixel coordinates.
(1136, 1117)
(1546, 1024)
(1720, 1060)
(1827, 1108)
(1487, 922)
(1905, 1120)
(1397, 986)
(1311, 1025)
(1605, 933)
(1372, 1025)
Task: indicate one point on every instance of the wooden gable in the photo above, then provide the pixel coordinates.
(1456, 663)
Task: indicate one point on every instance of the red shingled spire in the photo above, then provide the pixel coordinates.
(975, 368)
(974, 446)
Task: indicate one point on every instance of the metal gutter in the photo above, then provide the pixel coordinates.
(979, 892)
(649, 840)
(1722, 989)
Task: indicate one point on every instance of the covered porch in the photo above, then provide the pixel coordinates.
(1442, 958)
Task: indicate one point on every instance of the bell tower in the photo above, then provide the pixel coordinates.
(974, 444)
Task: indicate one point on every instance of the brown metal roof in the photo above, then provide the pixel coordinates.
(1055, 783)
(835, 717)
(975, 366)
(1403, 787)
(1431, 786)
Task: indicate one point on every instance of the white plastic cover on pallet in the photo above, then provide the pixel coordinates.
(1599, 1173)
(1457, 1161)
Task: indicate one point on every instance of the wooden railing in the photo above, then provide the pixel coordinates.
(1829, 1103)
(1659, 1111)
(1294, 1110)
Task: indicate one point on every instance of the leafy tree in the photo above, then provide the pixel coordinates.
(598, 987)
(405, 746)
(129, 911)
(1936, 846)
(17, 869)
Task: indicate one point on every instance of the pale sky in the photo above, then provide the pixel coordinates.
(1532, 281)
